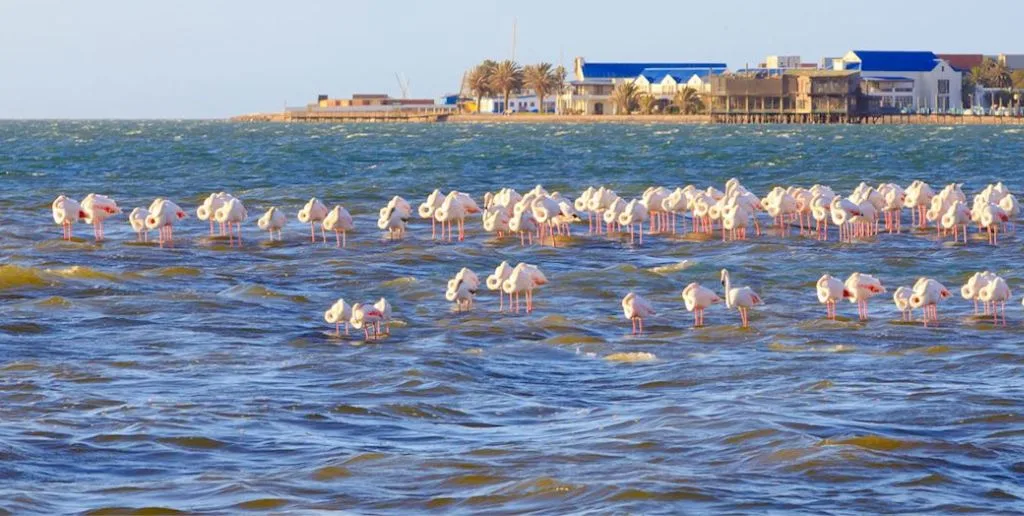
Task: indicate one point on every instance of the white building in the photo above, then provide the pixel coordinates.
(782, 62)
(905, 81)
(525, 102)
(591, 90)
(662, 82)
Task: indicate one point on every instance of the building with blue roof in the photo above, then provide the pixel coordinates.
(591, 90)
(905, 81)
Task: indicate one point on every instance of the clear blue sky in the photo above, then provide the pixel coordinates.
(215, 58)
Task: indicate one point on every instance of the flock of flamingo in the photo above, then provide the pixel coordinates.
(544, 216)
(540, 216)
(986, 287)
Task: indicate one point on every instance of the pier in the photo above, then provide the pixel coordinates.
(378, 116)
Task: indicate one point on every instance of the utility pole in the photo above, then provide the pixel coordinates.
(514, 38)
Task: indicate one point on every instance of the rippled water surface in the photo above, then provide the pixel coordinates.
(203, 378)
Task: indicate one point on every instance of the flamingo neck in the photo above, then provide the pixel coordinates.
(728, 287)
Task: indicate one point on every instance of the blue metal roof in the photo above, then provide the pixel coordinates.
(656, 75)
(630, 70)
(896, 61)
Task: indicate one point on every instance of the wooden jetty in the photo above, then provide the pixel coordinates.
(426, 115)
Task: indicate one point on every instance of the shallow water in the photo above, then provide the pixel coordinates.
(203, 378)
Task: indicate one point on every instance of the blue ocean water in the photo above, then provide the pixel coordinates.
(203, 378)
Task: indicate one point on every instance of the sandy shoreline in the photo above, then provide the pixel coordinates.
(534, 118)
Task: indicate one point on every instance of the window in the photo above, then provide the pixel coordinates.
(944, 87)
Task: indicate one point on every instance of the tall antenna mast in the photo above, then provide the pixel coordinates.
(514, 39)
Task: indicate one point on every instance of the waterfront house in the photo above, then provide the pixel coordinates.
(525, 101)
(785, 95)
(905, 81)
(591, 89)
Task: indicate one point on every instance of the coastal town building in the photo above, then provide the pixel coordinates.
(788, 96)
(1012, 61)
(963, 62)
(590, 90)
(905, 81)
(360, 100)
(526, 101)
(786, 62)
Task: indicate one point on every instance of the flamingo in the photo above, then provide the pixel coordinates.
(843, 211)
(232, 212)
(524, 224)
(455, 207)
(989, 218)
(634, 213)
(599, 203)
(162, 216)
(821, 210)
(902, 300)
(698, 298)
(917, 197)
(496, 280)
(653, 200)
(462, 289)
(339, 313)
(496, 220)
(340, 222)
(735, 219)
(894, 197)
(137, 218)
(955, 219)
(636, 308)
(274, 220)
(394, 217)
(208, 209)
(66, 212)
(674, 205)
(581, 206)
(314, 211)
(972, 289)
(995, 294)
(523, 279)
(98, 208)
(779, 204)
(384, 307)
(741, 298)
(366, 316)
(545, 211)
(610, 215)
(863, 287)
(926, 296)
(427, 208)
(830, 291)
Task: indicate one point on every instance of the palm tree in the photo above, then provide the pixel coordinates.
(625, 97)
(538, 77)
(506, 78)
(688, 101)
(646, 102)
(557, 85)
(1000, 75)
(479, 81)
(1017, 80)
